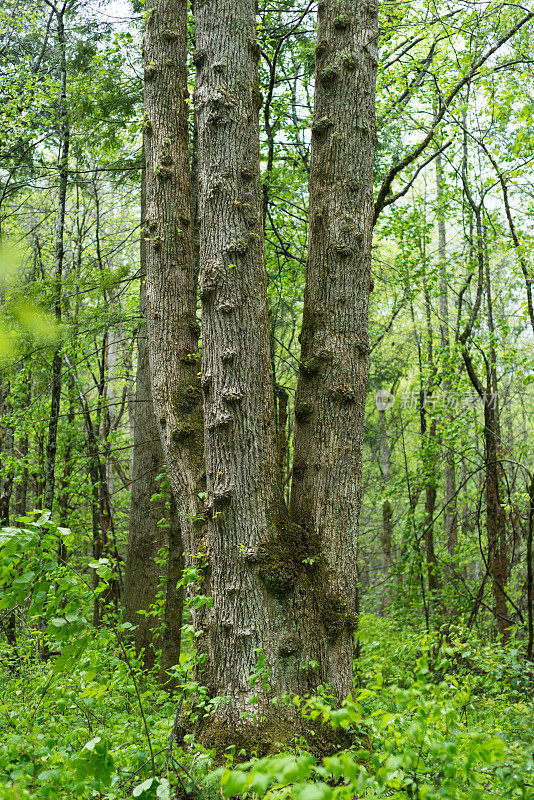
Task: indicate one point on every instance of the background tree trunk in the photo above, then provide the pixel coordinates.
(386, 533)
(449, 489)
(63, 168)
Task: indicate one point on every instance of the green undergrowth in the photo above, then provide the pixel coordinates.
(442, 715)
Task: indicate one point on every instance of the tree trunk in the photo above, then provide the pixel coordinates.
(172, 327)
(174, 598)
(334, 366)
(63, 167)
(6, 451)
(495, 513)
(495, 519)
(449, 489)
(64, 492)
(145, 537)
(281, 400)
(530, 574)
(23, 450)
(386, 538)
(244, 506)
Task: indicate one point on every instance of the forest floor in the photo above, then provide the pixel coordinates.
(440, 718)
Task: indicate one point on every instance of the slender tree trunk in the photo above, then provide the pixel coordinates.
(23, 450)
(63, 167)
(449, 489)
(428, 450)
(21, 490)
(496, 520)
(330, 401)
(430, 510)
(174, 598)
(495, 513)
(6, 450)
(497, 535)
(387, 510)
(64, 493)
(23, 447)
(530, 574)
(38, 482)
(6, 487)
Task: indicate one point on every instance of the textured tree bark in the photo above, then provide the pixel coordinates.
(244, 507)
(330, 402)
(281, 402)
(172, 327)
(145, 537)
(171, 638)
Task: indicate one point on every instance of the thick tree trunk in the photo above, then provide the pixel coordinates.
(330, 402)
(145, 537)
(245, 510)
(172, 327)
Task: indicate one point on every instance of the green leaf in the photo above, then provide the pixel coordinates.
(91, 744)
(143, 787)
(233, 782)
(314, 791)
(163, 791)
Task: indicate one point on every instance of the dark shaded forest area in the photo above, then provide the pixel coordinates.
(266, 382)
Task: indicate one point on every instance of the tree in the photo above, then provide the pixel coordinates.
(334, 361)
(153, 533)
(245, 511)
(172, 327)
(63, 161)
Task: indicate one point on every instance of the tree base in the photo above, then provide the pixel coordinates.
(273, 735)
